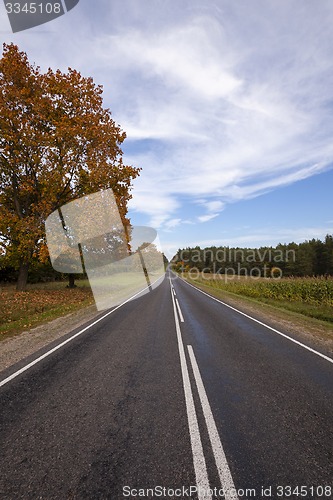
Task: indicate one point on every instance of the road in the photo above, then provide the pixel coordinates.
(173, 392)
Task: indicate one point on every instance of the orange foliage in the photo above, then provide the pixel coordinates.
(23, 310)
(57, 143)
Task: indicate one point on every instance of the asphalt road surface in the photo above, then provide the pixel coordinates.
(172, 395)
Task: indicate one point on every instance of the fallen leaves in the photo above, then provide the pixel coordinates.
(23, 310)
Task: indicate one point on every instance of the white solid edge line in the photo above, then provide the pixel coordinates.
(180, 312)
(263, 324)
(199, 462)
(225, 476)
(25, 368)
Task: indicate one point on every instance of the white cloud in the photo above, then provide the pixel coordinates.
(172, 223)
(237, 95)
(157, 206)
(206, 218)
(233, 126)
(212, 206)
(264, 237)
(182, 58)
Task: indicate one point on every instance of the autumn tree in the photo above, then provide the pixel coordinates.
(57, 143)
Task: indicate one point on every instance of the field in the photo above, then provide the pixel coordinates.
(21, 311)
(308, 296)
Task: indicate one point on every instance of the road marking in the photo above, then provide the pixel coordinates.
(199, 462)
(263, 324)
(180, 312)
(48, 353)
(219, 455)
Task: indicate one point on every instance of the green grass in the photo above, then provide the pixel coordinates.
(40, 303)
(312, 297)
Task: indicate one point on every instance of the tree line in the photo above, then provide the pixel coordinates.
(309, 258)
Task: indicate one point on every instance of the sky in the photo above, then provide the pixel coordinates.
(227, 106)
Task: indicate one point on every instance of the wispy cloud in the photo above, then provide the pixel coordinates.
(238, 116)
(264, 237)
(235, 97)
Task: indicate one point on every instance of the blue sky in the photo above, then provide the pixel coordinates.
(227, 106)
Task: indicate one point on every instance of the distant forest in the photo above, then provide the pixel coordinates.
(310, 258)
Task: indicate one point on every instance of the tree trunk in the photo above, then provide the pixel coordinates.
(21, 284)
(71, 281)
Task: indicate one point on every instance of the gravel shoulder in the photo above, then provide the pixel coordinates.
(14, 349)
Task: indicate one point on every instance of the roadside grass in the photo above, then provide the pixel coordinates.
(40, 303)
(43, 302)
(311, 297)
